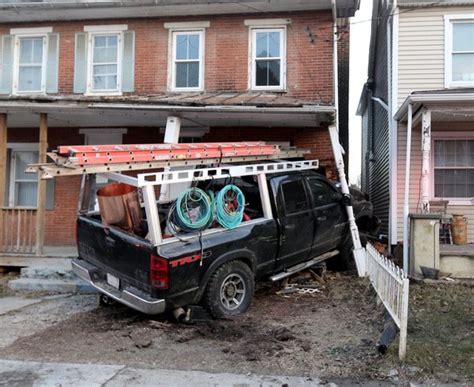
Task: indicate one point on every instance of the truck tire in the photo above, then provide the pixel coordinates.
(230, 289)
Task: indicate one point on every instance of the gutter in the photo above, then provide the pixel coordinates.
(424, 98)
(219, 108)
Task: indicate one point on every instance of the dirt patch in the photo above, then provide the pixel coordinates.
(328, 334)
(292, 335)
(7, 275)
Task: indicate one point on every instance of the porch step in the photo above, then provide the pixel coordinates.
(51, 285)
(50, 279)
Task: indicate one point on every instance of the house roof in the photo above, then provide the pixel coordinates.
(204, 109)
(50, 10)
(179, 99)
(453, 102)
(432, 3)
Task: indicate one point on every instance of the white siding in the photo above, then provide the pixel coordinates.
(415, 174)
(421, 48)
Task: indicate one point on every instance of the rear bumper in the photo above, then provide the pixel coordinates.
(129, 296)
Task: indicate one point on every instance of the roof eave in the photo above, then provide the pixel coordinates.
(431, 98)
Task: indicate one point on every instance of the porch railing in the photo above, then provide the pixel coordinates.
(392, 286)
(17, 233)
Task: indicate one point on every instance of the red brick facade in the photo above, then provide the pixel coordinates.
(309, 76)
(226, 53)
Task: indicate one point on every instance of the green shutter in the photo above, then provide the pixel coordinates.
(80, 63)
(6, 64)
(52, 64)
(128, 62)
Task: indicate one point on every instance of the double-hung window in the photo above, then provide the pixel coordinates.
(268, 58)
(454, 168)
(31, 64)
(459, 50)
(105, 64)
(187, 64)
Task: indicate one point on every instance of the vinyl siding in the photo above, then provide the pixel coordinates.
(415, 175)
(421, 49)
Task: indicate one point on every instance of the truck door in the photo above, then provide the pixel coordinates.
(329, 214)
(296, 220)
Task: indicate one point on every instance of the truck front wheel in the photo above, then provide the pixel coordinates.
(230, 289)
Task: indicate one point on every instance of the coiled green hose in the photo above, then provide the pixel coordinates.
(193, 210)
(230, 203)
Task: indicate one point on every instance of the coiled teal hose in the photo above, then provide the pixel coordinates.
(230, 203)
(188, 203)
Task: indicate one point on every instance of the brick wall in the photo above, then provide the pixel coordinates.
(226, 53)
(60, 221)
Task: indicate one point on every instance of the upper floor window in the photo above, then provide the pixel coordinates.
(31, 64)
(267, 57)
(29, 61)
(186, 55)
(187, 68)
(104, 67)
(104, 60)
(459, 47)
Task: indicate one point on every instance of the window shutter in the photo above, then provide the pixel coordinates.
(52, 64)
(80, 64)
(128, 62)
(6, 64)
(50, 194)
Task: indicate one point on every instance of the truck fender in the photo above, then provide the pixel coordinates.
(244, 255)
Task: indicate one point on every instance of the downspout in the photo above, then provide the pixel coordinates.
(392, 123)
(335, 64)
(406, 207)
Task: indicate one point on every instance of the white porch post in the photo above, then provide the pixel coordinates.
(173, 128)
(406, 202)
(426, 154)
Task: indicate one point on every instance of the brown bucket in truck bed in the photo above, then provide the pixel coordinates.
(119, 206)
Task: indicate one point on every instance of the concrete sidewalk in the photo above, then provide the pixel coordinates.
(20, 373)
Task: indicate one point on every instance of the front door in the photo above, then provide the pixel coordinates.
(296, 220)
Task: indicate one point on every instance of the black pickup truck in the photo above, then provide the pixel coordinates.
(218, 269)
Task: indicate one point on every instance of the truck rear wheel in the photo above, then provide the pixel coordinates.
(230, 290)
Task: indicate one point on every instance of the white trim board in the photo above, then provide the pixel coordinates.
(266, 22)
(187, 25)
(28, 31)
(106, 28)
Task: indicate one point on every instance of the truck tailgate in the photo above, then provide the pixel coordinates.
(115, 252)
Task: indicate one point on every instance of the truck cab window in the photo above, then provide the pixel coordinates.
(323, 194)
(294, 196)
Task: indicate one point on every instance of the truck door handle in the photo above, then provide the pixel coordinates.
(110, 241)
(290, 227)
(321, 218)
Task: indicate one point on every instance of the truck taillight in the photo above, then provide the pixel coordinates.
(159, 272)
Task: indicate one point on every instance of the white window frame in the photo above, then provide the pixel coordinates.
(18, 147)
(94, 31)
(253, 30)
(22, 34)
(449, 20)
(436, 136)
(174, 32)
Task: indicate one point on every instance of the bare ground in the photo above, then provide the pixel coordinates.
(331, 334)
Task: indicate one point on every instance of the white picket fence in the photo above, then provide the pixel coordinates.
(392, 286)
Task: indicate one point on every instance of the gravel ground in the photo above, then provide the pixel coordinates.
(330, 334)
